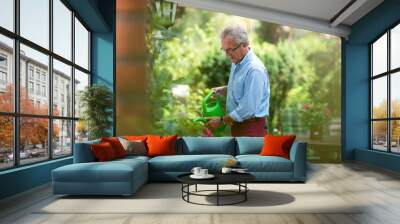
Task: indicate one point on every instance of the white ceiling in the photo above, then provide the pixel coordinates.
(321, 9)
(314, 15)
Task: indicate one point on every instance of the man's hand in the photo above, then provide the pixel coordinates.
(220, 90)
(228, 120)
(213, 122)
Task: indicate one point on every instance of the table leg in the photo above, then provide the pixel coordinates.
(217, 194)
(245, 193)
(196, 188)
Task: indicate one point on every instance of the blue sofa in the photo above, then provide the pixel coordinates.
(125, 176)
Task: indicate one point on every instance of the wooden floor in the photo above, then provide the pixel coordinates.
(377, 189)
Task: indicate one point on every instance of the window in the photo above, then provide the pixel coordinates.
(62, 137)
(62, 29)
(6, 73)
(7, 14)
(35, 22)
(6, 142)
(385, 94)
(3, 61)
(30, 87)
(81, 45)
(37, 75)
(45, 131)
(81, 81)
(30, 72)
(44, 91)
(38, 89)
(3, 78)
(62, 74)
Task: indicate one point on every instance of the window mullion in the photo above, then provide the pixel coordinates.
(50, 81)
(73, 82)
(389, 106)
(16, 84)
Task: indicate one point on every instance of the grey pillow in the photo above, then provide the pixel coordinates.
(136, 147)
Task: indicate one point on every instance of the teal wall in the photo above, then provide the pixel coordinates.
(99, 15)
(24, 178)
(355, 86)
(103, 52)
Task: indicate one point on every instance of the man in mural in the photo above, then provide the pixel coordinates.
(247, 93)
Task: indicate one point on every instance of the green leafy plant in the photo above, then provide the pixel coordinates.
(315, 116)
(96, 102)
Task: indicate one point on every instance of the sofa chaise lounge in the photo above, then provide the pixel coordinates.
(125, 176)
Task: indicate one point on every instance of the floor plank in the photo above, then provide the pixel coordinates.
(377, 191)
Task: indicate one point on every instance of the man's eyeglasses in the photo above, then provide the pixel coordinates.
(230, 50)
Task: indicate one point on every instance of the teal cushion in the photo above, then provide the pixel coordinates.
(133, 157)
(111, 171)
(83, 152)
(257, 163)
(207, 145)
(185, 163)
(249, 145)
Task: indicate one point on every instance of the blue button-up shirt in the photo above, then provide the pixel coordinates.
(248, 89)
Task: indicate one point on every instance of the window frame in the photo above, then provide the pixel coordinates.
(388, 74)
(16, 115)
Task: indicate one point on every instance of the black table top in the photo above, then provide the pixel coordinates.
(220, 178)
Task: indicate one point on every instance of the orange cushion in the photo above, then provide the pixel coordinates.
(161, 145)
(103, 151)
(116, 145)
(277, 145)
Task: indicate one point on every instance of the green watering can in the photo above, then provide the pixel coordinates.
(212, 107)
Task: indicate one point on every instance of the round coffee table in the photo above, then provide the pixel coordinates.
(238, 179)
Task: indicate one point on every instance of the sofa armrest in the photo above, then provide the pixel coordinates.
(298, 155)
(83, 152)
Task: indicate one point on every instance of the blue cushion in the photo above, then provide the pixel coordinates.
(257, 163)
(185, 163)
(111, 171)
(249, 145)
(133, 157)
(206, 145)
(83, 153)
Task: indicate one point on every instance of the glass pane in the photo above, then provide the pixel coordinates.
(35, 21)
(379, 55)
(33, 139)
(62, 29)
(81, 131)
(379, 135)
(395, 136)
(62, 138)
(34, 82)
(395, 47)
(81, 81)
(7, 14)
(395, 94)
(81, 45)
(62, 89)
(6, 74)
(379, 97)
(6, 142)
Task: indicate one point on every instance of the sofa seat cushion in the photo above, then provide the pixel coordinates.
(133, 157)
(112, 171)
(257, 163)
(185, 163)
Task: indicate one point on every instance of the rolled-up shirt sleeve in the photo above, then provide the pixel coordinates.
(252, 96)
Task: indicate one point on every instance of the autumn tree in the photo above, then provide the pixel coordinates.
(33, 130)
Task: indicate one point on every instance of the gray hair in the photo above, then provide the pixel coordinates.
(238, 34)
